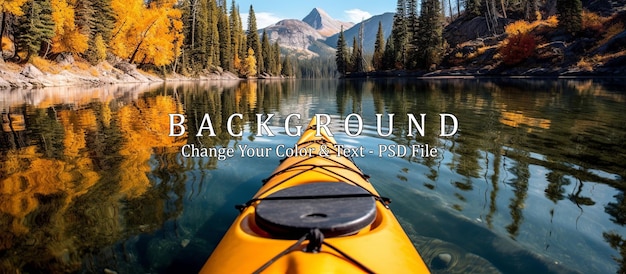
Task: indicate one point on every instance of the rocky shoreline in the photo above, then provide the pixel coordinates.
(28, 76)
(616, 69)
(13, 76)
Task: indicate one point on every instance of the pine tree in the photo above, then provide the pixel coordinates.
(569, 13)
(226, 55)
(252, 39)
(101, 26)
(379, 48)
(430, 34)
(413, 37)
(356, 59)
(389, 56)
(341, 55)
(197, 18)
(287, 68)
(399, 34)
(35, 28)
(267, 53)
(84, 16)
(214, 35)
(276, 60)
(236, 34)
(85, 22)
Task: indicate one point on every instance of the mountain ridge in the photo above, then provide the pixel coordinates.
(317, 33)
(370, 29)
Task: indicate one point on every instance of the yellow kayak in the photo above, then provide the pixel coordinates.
(316, 213)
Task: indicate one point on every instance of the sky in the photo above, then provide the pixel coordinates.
(268, 12)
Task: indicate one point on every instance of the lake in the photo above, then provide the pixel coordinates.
(532, 180)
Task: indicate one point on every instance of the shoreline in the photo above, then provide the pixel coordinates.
(14, 76)
(28, 76)
(513, 73)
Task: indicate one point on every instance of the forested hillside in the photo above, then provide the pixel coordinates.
(495, 37)
(187, 37)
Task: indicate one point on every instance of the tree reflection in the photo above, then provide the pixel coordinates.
(618, 243)
(82, 176)
(520, 192)
(617, 211)
(555, 191)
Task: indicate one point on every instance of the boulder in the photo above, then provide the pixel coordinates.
(615, 44)
(64, 58)
(463, 30)
(125, 67)
(30, 71)
(4, 83)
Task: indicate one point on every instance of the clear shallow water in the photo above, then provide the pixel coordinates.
(533, 181)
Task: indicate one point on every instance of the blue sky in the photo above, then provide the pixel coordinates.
(269, 11)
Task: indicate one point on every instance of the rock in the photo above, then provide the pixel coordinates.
(442, 261)
(129, 69)
(615, 44)
(580, 46)
(493, 40)
(229, 76)
(125, 67)
(31, 71)
(4, 84)
(109, 271)
(615, 66)
(461, 31)
(64, 59)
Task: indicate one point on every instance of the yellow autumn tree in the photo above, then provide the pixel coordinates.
(151, 34)
(12, 6)
(67, 36)
(249, 65)
(127, 14)
(237, 63)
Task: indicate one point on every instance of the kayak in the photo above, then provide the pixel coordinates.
(316, 213)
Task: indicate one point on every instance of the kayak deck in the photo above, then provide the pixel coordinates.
(316, 214)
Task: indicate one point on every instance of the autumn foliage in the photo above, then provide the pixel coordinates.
(12, 6)
(67, 35)
(518, 47)
(150, 34)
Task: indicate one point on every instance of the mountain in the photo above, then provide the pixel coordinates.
(317, 34)
(297, 37)
(324, 24)
(370, 29)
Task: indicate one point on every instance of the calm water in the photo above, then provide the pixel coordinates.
(533, 181)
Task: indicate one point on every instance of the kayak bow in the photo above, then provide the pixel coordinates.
(316, 213)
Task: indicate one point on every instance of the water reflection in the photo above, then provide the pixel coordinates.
(91, 180)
